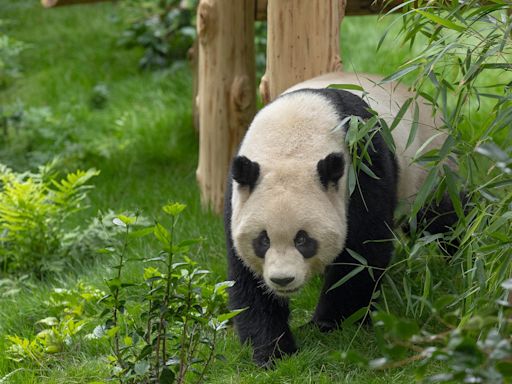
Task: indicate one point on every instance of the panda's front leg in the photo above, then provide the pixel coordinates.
(264, 323)
(339, 303)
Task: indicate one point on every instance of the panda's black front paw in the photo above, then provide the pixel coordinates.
(325, 325)
(264, 361)
(265, 357)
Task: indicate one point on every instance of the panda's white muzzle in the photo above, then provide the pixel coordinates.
(284, 272)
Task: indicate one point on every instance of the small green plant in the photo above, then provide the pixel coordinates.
(69, 311)
(34, 211)
(167, 331)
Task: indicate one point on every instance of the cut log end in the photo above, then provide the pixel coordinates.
(49, 3)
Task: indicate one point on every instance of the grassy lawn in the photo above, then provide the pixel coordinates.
(144, 144)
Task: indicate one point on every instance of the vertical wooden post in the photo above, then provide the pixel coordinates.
(227, 89)
(302, 42)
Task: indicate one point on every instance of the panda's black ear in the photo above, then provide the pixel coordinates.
(331, 169)
(245, 172)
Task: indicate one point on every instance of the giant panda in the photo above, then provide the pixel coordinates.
(288, 213)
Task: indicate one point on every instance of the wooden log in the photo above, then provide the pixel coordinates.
(302, 42)
(227, 89)
(368, 7)
(352, 7)
(57, 3)
(261, 10)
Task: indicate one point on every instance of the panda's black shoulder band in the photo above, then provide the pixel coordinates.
(331, 169)
(245, 172)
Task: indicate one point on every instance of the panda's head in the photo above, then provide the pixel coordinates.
(289, 229)
(289, 213)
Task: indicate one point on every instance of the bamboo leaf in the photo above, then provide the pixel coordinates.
(357, 256)
(401, 113)
(414, 126)
(453, 189)
(355, 317)
(399, 74)
(368, 171)
(441, 21)
(346, 278)
(352, 87)
(425, 190)
(387, 136)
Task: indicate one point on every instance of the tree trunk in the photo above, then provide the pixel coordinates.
(227, 89)
(302, 42)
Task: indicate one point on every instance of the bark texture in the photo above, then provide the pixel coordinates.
(226, 89)
(302, 42)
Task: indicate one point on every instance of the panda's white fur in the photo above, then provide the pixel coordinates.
(299, 129)
(386, 100)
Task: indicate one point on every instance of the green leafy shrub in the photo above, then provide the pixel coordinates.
(30, 137)
(10, 50)
(167, 331)
(456, 313)
(34, 212)
(164, 28)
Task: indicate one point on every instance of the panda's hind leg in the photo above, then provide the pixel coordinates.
(441, 218)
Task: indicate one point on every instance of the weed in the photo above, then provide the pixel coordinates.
(168, 332)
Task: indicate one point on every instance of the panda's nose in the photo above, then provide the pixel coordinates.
(282, 281)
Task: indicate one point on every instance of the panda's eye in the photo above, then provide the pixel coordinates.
(306, 245)
(301, 239)
(261, 244)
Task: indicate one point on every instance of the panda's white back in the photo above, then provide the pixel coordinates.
(387, 100)
(300, 125)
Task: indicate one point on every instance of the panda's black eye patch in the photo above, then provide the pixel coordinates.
(306, 245)
(331, 169)
(261, 244)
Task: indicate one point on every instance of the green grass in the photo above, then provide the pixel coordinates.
(146, 148)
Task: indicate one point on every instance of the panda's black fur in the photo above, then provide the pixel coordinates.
(265, 321)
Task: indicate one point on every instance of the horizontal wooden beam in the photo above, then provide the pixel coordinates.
(260, 13)
(369, 7)
(352, 7)
(57, 3)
